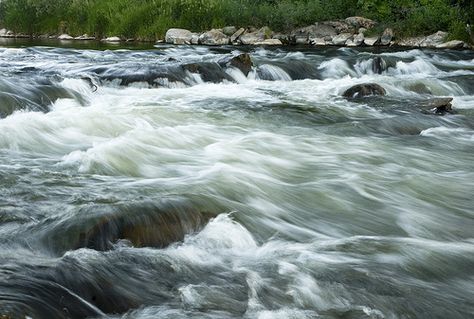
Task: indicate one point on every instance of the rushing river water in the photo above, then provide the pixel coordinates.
(135, 187)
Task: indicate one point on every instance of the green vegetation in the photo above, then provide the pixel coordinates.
(149, 19)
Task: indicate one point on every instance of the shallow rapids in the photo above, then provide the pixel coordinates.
(164, 183)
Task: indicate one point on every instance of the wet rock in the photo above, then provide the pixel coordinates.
(229, 30)
(341, 39)
(378, 65)
(362, 90)
(3, 32)
(209, 71)
(358, 22)
(65, 37)
(213, 37)
(371, 41)
(454, 45)
(234, 37)
(438, 106)
(141, 224)
(243, 62)
(387, 37)
(256, 36)
(178, 36)
(269, 42)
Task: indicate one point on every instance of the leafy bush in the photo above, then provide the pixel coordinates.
(151, 18)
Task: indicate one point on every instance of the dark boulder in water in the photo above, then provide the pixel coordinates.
(209, 72)
(438, 106)
(243, 62)
(362, 90)
(378, 65)
(140, 224)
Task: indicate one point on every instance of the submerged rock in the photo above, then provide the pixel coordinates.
(178, 36)
(362, 90)
(140, 224)
(439, 106)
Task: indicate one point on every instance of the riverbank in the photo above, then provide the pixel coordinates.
(350, 32)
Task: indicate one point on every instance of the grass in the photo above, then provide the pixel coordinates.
(149, 19)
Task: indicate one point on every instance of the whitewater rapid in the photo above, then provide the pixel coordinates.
(282, 198)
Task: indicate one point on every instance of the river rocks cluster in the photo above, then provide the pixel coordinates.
(350, 32)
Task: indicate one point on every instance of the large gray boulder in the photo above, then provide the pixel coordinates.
(434, 39)
(359, 39)
(386, 37)
(341, 39)
(65, 37)
(256, 36)
(454, 45)
(229, 30)
(359, 22)
(112, 39)
(371, 41)
(213, 37)
(362, 90)
(178, 36)
(315, 31)
(236, 35)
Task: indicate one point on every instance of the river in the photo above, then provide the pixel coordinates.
(134, 187)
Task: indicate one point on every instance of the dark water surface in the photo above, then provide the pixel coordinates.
(155, 182)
